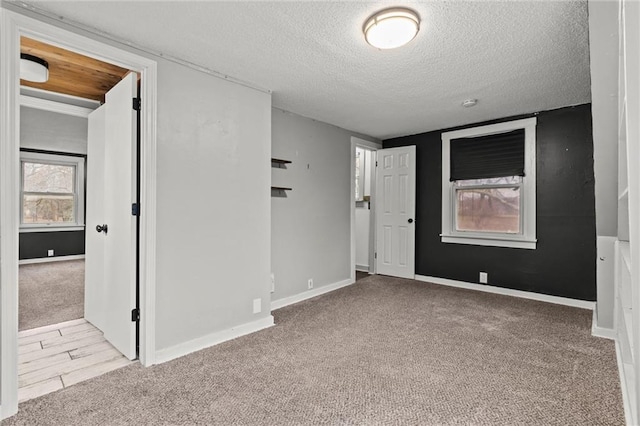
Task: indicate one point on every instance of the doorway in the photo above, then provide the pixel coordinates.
(13, 27)
(60, 341)
(365, 175)
(363, 213)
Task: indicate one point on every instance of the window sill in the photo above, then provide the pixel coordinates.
(51, 228)
(491, 241)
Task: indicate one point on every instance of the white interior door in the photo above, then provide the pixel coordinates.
(395, 211)
(117, 286)
(94, 291)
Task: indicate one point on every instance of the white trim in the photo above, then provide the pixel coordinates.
(362, 268)
(281, 303)
(51, 228)
(490, 241)
(51, 259)
(373, 146)
(62, 98)
(52, 106)
(14, 25)
(212, 339)
(527, 239)
(9, 213)
(583, 304)
(605, 333)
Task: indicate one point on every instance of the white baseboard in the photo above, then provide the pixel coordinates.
(4, 415)
(281, 303)
(362, 268)
(509, 292)
(212, 339)
(51, 259)
(605, 333)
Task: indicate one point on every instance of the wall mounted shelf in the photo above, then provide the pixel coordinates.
(278, 163)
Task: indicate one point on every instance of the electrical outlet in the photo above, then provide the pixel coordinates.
(483, 277)
(273, 282)
(310, 283)
(50, 252)
(257, 306)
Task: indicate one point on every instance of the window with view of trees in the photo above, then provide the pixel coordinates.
(488, 205)
(488, 192)
(51, 190)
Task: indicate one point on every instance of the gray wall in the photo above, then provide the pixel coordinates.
(603, 49)
(214, 147)
(310, 227)
(52, 131)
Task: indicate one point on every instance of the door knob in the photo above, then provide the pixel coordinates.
(410, 220)
(102, 228)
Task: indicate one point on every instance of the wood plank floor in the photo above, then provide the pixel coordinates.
(57, 356)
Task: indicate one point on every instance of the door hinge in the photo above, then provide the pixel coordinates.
(376, 164)
(135, 209)
(135, 315)
(375, 255)
(137, 103)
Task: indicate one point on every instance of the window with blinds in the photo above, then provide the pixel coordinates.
(487, 172)
(487, 192)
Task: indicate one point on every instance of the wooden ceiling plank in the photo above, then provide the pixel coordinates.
(71, 73)
(55, 53)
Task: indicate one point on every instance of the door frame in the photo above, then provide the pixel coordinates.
(372, 146)
(12, 26)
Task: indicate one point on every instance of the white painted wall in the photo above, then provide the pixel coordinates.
(52, 131)
(603, 46)
(368, 172)
(362, 236)
(363, 214)
(310, 228)
(214, 147)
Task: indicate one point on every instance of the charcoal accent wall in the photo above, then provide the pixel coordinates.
(34, 245)
(564, 262)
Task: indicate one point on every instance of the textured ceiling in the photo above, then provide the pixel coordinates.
(514, 56)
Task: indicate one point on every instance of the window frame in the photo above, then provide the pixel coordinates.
(61, 159)
(526, 238)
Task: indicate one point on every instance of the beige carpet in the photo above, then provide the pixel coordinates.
(50, 293)
(382, 351)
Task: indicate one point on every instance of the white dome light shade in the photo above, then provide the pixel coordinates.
(391, 28)
(33, 68)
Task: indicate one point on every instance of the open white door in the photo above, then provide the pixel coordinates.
(395, 211)
(116, 288)
(94, 291)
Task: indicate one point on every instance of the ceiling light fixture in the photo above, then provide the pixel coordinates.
(391, 28)
(33, 68)
(469, 103)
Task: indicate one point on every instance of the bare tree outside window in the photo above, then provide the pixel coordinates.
(48, 193)
(488, 205)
